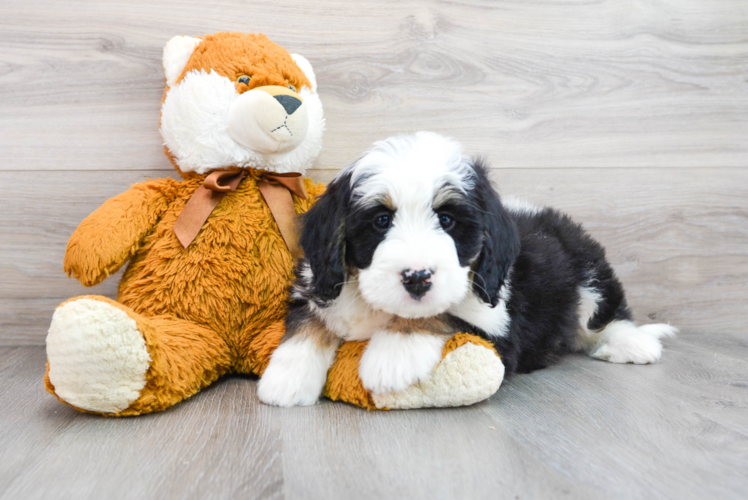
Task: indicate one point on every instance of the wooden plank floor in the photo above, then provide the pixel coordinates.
(631, 115)
(582, 429)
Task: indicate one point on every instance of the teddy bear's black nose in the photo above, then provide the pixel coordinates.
(289, 103)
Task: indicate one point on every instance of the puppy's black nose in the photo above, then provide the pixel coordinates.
(289, 103)
(417, 283)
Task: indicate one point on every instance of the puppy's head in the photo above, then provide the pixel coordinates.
(416, 223)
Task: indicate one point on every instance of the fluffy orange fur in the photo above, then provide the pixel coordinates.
(235, 54)
(215, 307)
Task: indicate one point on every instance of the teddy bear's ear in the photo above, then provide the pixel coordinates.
(177, 53)
(306, 67)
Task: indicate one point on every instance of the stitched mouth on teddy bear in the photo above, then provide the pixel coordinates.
(268, 120)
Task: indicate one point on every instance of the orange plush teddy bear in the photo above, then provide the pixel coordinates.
(211, 256)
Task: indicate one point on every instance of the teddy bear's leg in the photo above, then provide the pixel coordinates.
(470, 371)
(105, 358)
(255, 348)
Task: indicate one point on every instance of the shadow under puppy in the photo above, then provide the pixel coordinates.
(410, 245)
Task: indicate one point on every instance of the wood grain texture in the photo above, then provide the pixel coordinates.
(632, 116)
(554, 83)
(582, 429)
(678, 238)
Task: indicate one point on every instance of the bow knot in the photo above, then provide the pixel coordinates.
(275, 188)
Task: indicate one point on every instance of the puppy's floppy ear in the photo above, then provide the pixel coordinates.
(500, 239)
(323, 238)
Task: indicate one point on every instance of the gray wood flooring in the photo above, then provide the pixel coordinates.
(582, 429)
(631, 115)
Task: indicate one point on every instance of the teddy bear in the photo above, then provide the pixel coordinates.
(210, 257)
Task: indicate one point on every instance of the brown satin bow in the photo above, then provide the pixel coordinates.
(275, 188)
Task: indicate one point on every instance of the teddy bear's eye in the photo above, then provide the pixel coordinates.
(292, 88)
(244, 79)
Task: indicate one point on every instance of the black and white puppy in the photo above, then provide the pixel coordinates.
(411, 244)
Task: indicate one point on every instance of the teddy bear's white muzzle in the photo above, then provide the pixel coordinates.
(267, 121)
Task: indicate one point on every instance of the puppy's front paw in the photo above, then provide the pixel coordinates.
(394, 361)
(296, 374)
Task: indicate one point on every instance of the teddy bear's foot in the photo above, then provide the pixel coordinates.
(470, 371)
(97, 357)
(103, 357)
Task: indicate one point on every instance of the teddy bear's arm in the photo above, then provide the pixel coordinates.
(107, 238)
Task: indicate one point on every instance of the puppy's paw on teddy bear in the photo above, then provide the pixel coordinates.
(394, 361)
(469, 373)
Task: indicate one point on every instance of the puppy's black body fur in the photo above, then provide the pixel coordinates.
(541, 256)
(556, 258)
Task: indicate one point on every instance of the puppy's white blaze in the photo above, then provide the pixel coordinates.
(624, 342)
(494, 321)
(394, 361)
(410, 169)
(296, 373)
(194, 126)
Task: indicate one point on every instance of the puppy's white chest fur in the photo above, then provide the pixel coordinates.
(350, 317)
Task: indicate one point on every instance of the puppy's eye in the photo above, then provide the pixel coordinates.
(243, 79)
(384, 221)
(292, 88)
(446, 221)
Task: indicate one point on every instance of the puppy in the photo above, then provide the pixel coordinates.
(411, 244)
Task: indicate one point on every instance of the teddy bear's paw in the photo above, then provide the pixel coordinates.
(97, 357)
(394, 361)
(296, 374)
(466, 376)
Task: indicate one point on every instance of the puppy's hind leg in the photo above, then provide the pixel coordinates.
(624, 342)
(607, 332)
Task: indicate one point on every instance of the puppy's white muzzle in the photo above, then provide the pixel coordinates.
(414, 273)
(269, 119)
